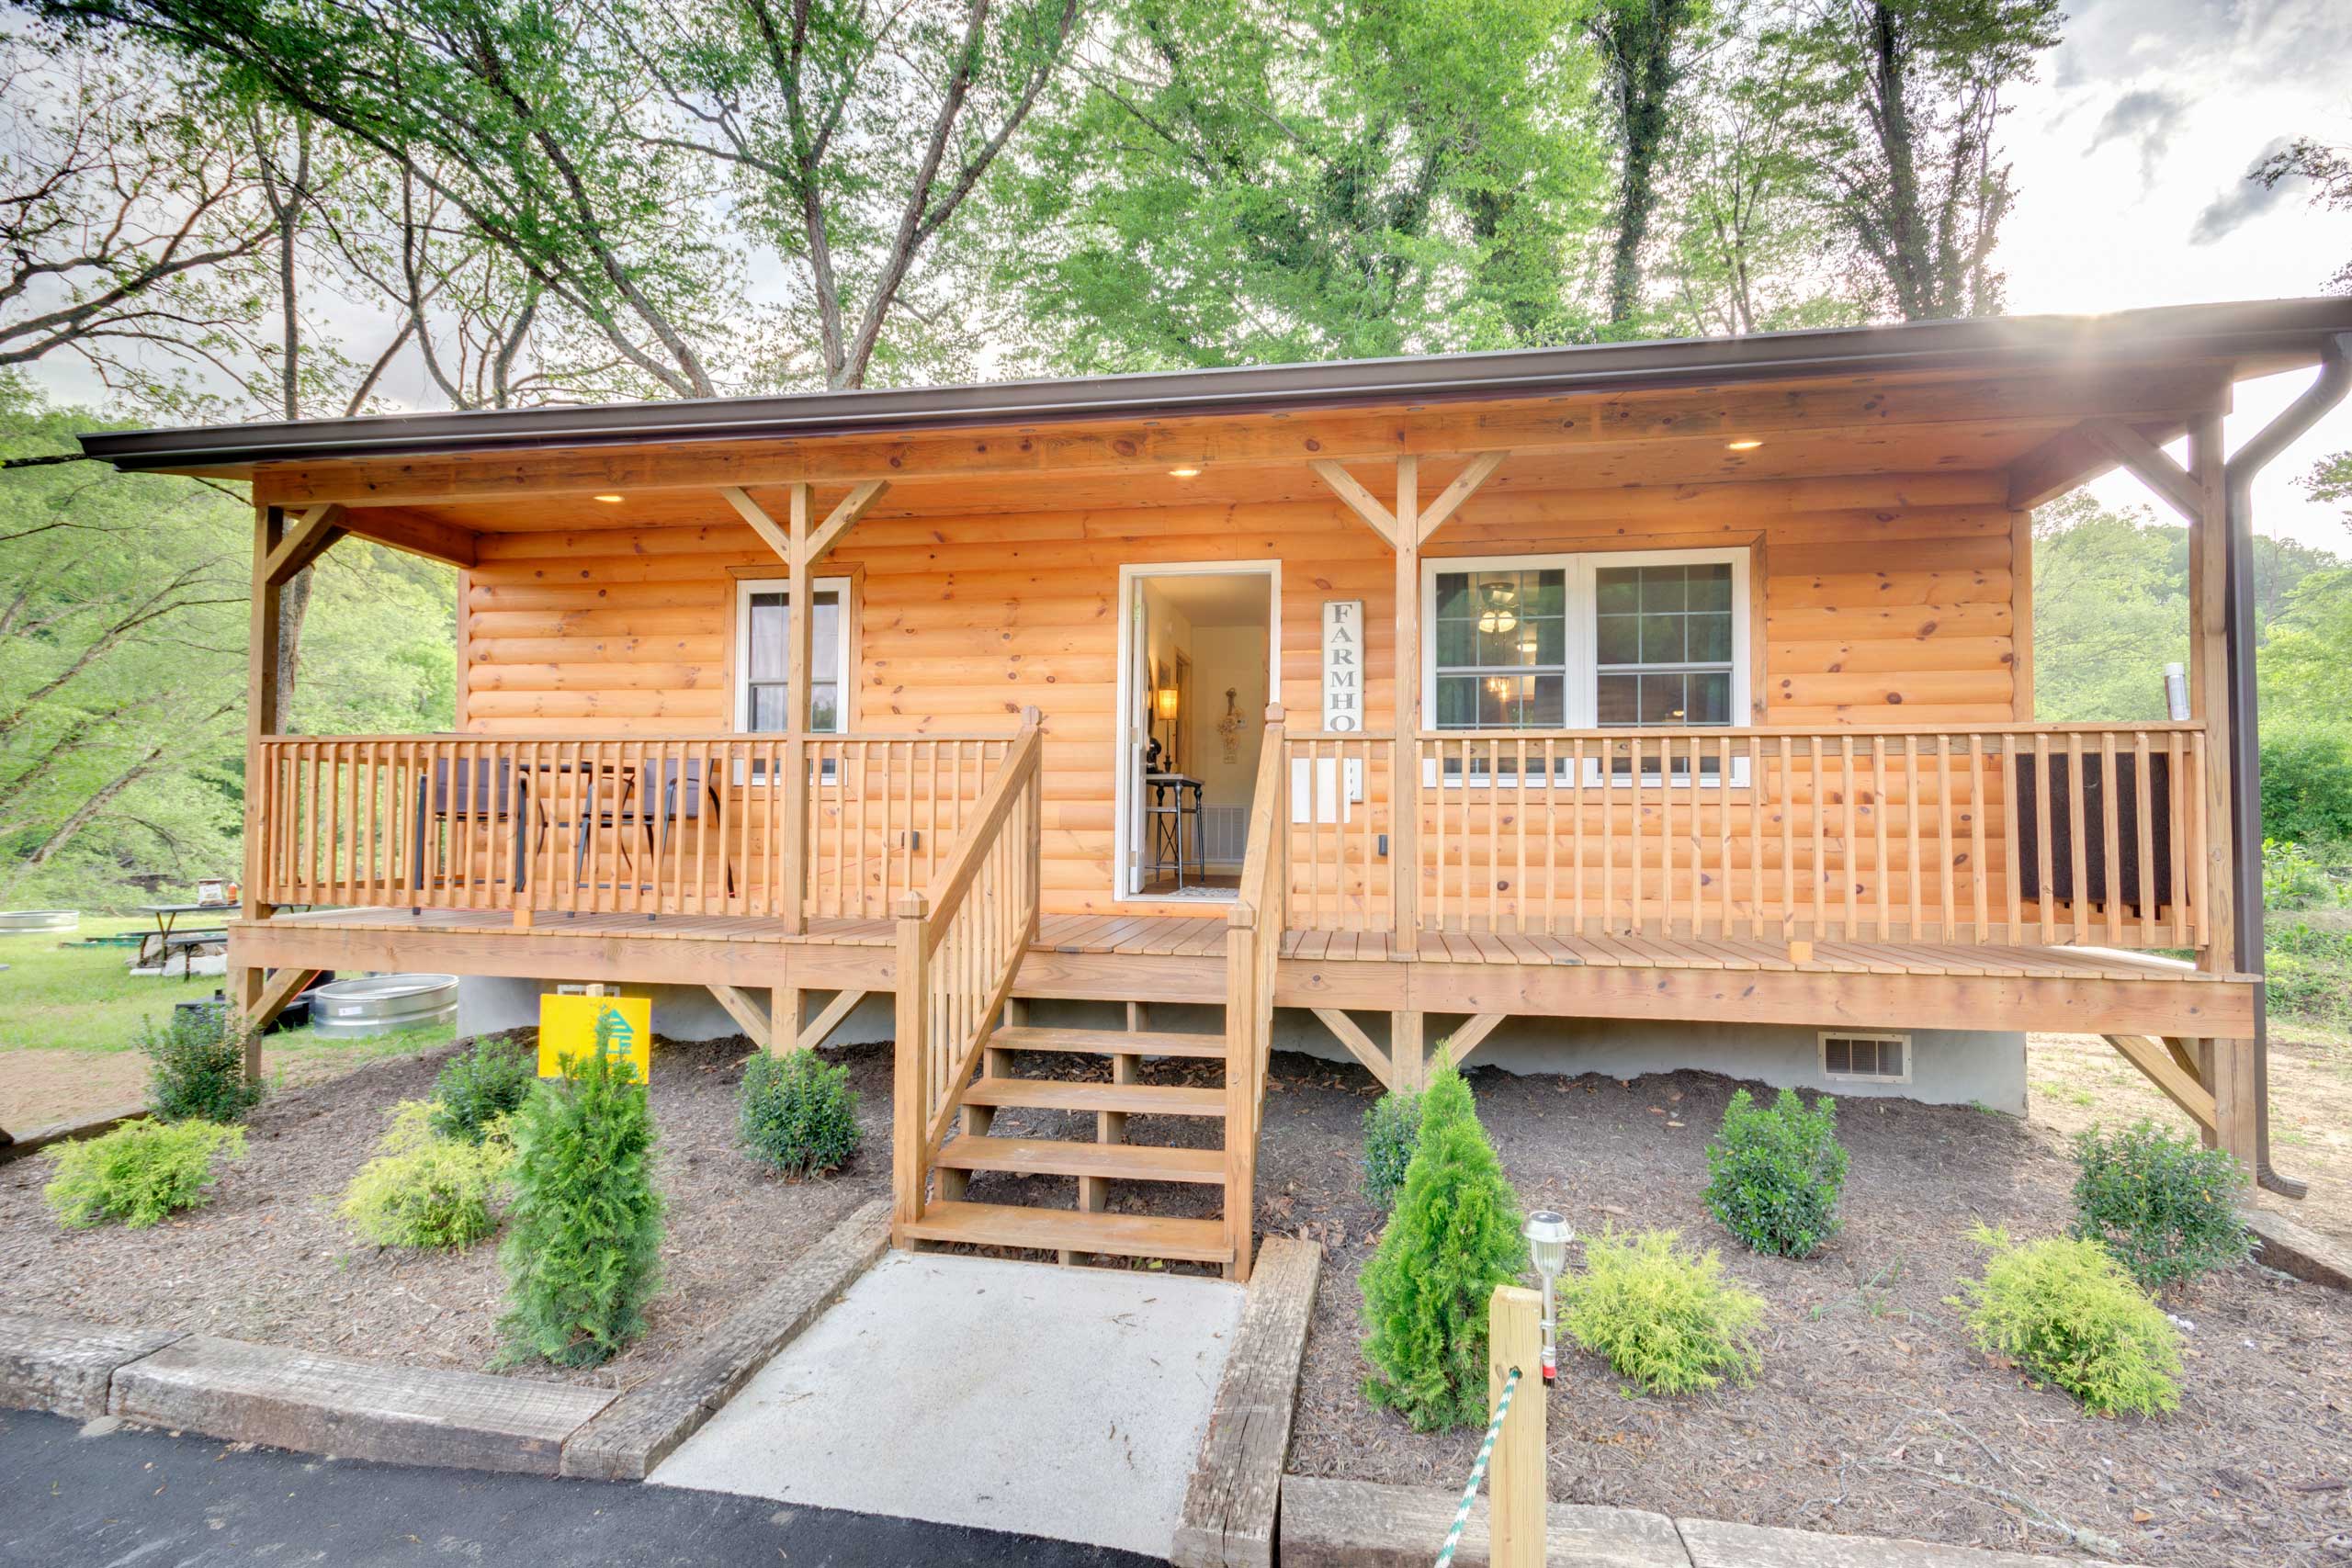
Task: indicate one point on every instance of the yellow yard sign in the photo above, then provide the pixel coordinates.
(568, 1028)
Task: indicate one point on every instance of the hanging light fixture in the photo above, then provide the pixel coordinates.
(1496, 614)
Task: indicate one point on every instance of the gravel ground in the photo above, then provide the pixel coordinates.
(269, 1259)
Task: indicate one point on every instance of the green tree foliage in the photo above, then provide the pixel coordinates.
(1774, 1175)
(123, 667)
(1905, 103)
(1662, 1317)
(1453, 1239)
(2066, 1311)
(2166, 1208)
(1647, 50)
(1392, 1130)
(142, 1173)
(584, 1235)
(1231, 182)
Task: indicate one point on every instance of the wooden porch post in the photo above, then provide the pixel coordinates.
(246, 984)
(1404, 845)
(801, 620)
(2226, 1066)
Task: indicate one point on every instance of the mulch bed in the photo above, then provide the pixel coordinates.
(1872, 1414)
(269, 1258)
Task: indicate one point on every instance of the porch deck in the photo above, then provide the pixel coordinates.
(1161, 958)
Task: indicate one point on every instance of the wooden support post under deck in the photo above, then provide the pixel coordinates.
(245, 984)
(910, 1099)
(1407, 1051)
(2228, 1064)
(800, 618)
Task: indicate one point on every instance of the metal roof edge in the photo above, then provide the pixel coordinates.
(2232, 330)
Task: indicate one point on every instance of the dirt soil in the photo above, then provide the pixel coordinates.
(1872, 1413)
(300, 1277)
(42, 1088)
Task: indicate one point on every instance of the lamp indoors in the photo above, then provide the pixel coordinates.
(1164, 702)
(1548, 1235)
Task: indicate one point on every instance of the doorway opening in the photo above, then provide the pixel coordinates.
(1197, 648)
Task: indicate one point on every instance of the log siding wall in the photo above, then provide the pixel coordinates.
(1875, 600)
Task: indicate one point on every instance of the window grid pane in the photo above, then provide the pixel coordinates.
(769, 638)
(1663, 645)
(1500, 649)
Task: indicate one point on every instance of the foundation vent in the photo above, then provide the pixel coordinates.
(1867, 1058)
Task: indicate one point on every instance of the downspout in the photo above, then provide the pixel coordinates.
(2246, 741)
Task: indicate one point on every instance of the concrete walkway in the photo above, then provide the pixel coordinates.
(1067, 1403)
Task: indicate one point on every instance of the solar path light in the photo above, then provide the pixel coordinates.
(1547, 1240)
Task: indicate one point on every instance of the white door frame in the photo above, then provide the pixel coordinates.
(1126, 847)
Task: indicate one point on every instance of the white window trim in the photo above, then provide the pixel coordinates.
(741, 652)
(1581, 697)
(1826, 1036)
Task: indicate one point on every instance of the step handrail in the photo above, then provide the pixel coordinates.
(960, 943)
(1253, 940)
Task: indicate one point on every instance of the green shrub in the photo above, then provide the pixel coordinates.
(141, 1173)
(2310, 973)
(1453, 1239)
(2306, 784)
(1774, 1176)
(2293, 877)
(481, 1084)
(1665, 1319)
(2166, 1208)
(426, 1190)
(1391, 1128)
(196, 1066)
(584, 1232)
(797, 1113)
(2064, 1310)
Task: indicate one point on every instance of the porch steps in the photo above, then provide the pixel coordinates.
(1130, 1098)
(1059, 1157)
(1072, 1230)
(1110, 1041)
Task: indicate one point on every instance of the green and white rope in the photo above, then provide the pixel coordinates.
(1478, 1471)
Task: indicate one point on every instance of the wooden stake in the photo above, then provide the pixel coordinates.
(1515, 1338)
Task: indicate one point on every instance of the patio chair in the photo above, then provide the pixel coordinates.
(478, 791)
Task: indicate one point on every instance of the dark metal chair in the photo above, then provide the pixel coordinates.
(649, 807)
(477, 791)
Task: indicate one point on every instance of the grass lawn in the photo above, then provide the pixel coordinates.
(70, 1022)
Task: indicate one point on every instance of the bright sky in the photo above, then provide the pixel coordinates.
(2130, 157)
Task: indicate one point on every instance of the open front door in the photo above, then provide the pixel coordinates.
(1134, 740)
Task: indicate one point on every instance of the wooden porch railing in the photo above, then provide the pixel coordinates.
(2036, 835)
(655, 825)
(961, 940)
(1253, 942)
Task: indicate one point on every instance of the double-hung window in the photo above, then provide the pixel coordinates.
(1633, 640)
(763, 649)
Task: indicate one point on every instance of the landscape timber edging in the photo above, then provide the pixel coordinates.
(351, 1408)
(1236, 1490)
(2291, 1249)
(14, 1146)
(637, 1431)
(65, 1365)
(1361, 1524)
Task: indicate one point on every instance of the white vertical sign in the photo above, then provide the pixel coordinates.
(1324, 793)
(1343, 666)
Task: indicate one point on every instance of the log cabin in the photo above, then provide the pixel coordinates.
(1608, 707)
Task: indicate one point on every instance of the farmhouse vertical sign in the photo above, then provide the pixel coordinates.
(1343, 666)
(1323, 791)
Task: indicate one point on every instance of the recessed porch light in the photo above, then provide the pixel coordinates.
(608, 499)
(1183, 473)
(1744, 445)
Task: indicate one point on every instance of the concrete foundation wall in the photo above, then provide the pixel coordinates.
(1948, 1067)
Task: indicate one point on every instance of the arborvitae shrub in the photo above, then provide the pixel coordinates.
(2066, 1312)
(1391, 1129)
(425, 1190)
(197, 1067)
(2165, 1207)
(583, 1234)
(141, 1173)
(1774, 1176)
(487, 1080)
(797, 1113)
(1665, 1319)
(1453, 1239)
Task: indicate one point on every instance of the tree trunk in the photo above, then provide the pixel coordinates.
(1645, 34)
